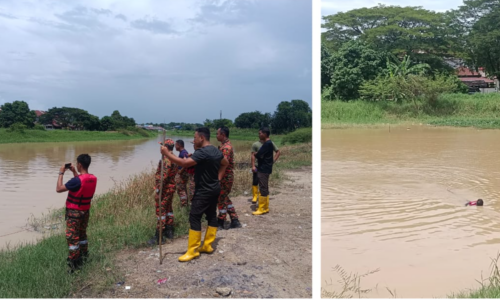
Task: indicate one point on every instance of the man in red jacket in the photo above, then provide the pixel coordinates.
(81, 191)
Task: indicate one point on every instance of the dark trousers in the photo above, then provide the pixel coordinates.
(255, 179)
(263, 184)
(203, 205)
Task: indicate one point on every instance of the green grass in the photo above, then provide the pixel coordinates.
(478, 110)
(120, 219)
(37, 136)
(489, 287)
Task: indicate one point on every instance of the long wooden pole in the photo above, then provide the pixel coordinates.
(160, 199)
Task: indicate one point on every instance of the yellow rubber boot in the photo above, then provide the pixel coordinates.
(209, 239)
(262, 204)
(194, 242)
(255, 192)
(266, 205)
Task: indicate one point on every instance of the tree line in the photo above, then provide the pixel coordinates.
(398, 53)
(18, 113)
(289, 116)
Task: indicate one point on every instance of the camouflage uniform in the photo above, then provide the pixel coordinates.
(191, 185)
(76, 233)
(169, 172)
(225, 205)
(181, 179)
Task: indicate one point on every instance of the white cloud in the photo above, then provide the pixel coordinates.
(156, 60)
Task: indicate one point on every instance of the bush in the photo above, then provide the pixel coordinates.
(302, 135)
(39, 127)
(411, 88)
(17, 127)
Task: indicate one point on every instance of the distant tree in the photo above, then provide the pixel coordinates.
(254, 120)
(106, 123)
(414, 31)
(17, 112)
(348, 68)
(218, 123)
(291, 115)
(69, 116)
(117, 121)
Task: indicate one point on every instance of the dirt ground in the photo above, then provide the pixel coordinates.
(270, 257)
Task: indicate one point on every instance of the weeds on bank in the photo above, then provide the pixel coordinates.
(477, 110)
(350, 285)
(489, 287)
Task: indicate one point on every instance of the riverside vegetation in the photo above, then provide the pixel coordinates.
(121, 218)
(402, 68)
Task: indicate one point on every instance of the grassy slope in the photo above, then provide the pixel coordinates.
(121, 218)
(36, 136)
(478, 110)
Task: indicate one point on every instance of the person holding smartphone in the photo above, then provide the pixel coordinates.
(81, 189)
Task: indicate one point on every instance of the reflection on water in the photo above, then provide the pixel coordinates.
(394, 199)
(28, 175)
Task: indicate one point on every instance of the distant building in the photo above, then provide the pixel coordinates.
(476, 81)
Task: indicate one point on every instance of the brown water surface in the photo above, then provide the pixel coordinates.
(28, 176)
(393, 199)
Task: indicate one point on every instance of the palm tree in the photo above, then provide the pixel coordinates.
(404, 68)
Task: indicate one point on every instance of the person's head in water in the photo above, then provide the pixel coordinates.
(479, 202)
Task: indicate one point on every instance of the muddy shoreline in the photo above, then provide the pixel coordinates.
(270, 257)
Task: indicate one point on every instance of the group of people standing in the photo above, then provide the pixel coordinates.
(213, 181)
(203, 180)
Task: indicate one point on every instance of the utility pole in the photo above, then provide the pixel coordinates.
(221, 114)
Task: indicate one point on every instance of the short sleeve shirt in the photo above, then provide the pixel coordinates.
(265, 158)
(183, 154)
(256, 146)
(74, 184)
(206, 171)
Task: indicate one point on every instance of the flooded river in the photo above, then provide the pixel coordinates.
(28, 176)
(393, 200)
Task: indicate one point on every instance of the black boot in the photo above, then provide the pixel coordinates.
(221, 223)
(235, 224)
(84, 256)
(154, 240)
(169, 232)
(74, 264)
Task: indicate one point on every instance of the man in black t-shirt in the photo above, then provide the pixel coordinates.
(209, 167)
(265, 161)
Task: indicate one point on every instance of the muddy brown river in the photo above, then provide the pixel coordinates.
(393, 202)
(28, 176)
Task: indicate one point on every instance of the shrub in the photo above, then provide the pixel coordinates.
(39, 127)
(17, 127)
(411, 88)
(302, 135)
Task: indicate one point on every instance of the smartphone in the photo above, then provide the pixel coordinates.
(67, 166)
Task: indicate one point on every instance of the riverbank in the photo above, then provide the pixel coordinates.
(458, 110)
(121, 220)
(42, 136)
(235, 134)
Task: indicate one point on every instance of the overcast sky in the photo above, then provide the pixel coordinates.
(171, 60)
(330, 7)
